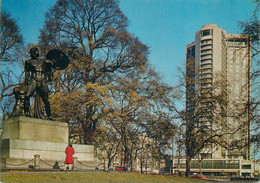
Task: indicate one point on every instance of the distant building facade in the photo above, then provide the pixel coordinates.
(217, 54)
(141, 157)
(219, 167)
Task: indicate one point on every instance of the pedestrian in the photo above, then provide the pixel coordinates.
(56, 166)
(69, 151)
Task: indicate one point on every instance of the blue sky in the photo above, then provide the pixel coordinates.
(165, 26)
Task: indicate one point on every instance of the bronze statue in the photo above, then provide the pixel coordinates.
(36, 79)
(19, 93)
(38, 72)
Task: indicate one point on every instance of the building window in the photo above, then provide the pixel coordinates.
(207, 41)
(206, 47)
(206, 61)
(191, 52)
(246, 166)
(206, 32)
(206, 56)
(206, 52)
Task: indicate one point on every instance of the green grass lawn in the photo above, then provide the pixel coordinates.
(90, 177)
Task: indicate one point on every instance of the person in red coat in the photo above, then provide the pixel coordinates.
(69, 151)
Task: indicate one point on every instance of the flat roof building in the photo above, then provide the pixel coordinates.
(219, 63)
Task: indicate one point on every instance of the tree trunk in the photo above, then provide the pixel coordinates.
(200, 166)
(179, 165)
(88, 134)
(131, 160)
(159, 158)
(109, 163)
(188, 160)
(142, 165)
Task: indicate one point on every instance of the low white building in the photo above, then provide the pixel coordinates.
(223, 167)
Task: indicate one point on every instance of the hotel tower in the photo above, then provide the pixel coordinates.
(220, 62)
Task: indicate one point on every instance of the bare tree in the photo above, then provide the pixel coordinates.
(207, 129)
(11, 38)
(251, 28)
(11, 44)
(94, 34)
(109, 77)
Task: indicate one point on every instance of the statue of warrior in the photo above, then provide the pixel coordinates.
(38, 72)
(36, 78)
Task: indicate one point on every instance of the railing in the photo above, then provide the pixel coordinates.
(88, 165)
(20, 164)
(37, 161)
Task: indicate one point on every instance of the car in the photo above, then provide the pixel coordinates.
(199, 176)
(121, 168)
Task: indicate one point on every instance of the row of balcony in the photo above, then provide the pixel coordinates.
(205, 66)
(206, 56)
(206, 42)
(206, 47)
(206, 62)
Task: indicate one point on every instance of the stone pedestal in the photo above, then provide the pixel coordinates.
(32, 129)
(25, 138)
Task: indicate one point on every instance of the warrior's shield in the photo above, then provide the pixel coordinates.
(59, 58)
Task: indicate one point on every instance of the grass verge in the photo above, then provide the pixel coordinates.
(90, 177)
